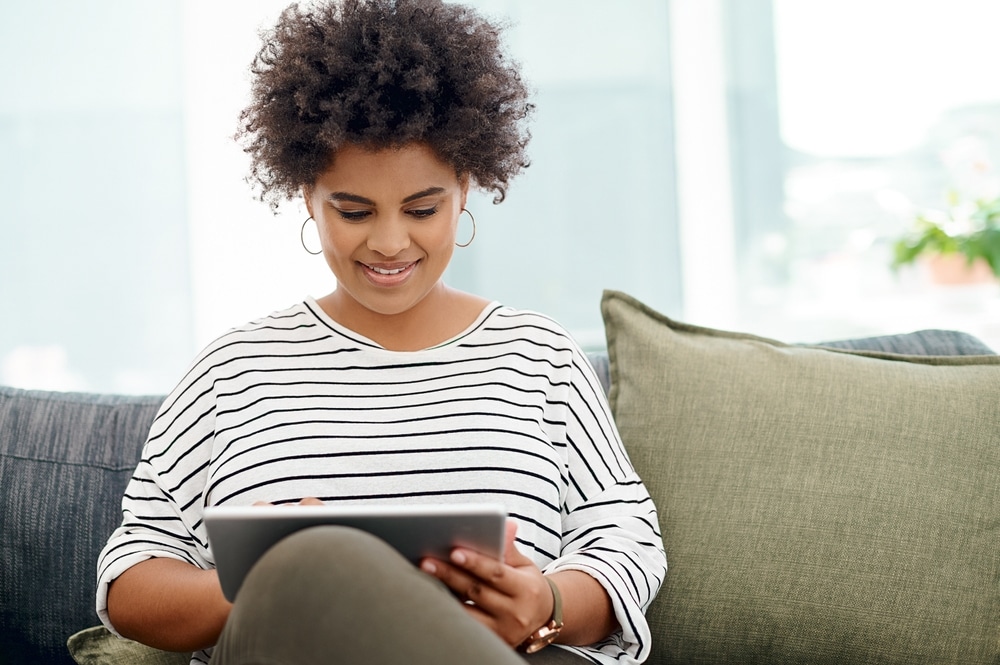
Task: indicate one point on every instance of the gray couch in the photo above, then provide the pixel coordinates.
(65, 460)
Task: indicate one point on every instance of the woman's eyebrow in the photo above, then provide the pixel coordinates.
(353, 198)
(421, 194)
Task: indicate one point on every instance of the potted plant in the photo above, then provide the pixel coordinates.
(967, 236)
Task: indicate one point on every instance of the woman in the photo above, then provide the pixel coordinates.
(393, 388)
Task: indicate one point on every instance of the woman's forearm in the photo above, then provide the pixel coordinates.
(168, 604)
(588, 616)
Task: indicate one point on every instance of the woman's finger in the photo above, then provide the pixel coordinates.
(465, 586)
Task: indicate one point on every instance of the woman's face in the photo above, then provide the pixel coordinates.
(387, 221)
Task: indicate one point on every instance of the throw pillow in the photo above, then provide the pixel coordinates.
(97, 646)
(817, 505)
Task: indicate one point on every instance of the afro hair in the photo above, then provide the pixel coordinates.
(383, 73)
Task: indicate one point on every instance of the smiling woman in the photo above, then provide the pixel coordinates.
(393, 388)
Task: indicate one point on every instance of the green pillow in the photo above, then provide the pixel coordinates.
(817, 506)
(97, 646)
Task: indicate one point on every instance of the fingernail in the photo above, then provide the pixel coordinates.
(428, 567)
(458, 557)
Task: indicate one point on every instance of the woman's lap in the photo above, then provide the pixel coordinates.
(333, 594)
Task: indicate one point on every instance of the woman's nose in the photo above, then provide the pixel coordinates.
(389, 236)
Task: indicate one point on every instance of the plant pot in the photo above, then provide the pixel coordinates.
(952, 269)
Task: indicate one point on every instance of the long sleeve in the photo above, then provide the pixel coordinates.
(610, 524)
(162, 504)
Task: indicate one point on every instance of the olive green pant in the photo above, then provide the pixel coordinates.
(332, 595)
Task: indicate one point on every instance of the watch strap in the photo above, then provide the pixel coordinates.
(556, 603)
(548, 633)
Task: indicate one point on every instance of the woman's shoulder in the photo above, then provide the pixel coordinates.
(529, 324)
(297, 324)
(288, 323)
(515, 317)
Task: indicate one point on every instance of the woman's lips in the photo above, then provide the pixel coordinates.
(388, 274)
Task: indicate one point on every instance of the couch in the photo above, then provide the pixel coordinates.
(835, 503)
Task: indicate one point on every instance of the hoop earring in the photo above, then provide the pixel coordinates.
(469, 242)
(302, 238)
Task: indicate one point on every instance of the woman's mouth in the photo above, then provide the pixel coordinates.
(388, 274)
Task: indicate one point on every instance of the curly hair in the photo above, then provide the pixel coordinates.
(383, 73)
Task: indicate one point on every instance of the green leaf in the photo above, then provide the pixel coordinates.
(929, 237)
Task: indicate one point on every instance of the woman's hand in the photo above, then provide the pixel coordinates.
(510, 597)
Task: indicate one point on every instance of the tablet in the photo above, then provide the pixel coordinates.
(239, 535)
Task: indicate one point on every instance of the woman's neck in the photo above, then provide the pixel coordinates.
(440, 315)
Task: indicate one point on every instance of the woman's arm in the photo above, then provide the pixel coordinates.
(168, 604)
(610, 525)
(588, 616)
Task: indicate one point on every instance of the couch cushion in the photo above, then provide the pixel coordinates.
(817, 506)
(64, 462)
(921, 342)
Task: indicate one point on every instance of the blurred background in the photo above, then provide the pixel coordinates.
(744, 164)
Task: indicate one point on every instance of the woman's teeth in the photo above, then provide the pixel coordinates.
(383, 271)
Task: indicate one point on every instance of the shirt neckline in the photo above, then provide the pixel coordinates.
(318, 311)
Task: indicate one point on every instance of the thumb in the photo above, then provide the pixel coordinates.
(511, 555)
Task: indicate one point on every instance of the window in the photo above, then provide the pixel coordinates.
(739, 163)
(94, 268)
(847, 118)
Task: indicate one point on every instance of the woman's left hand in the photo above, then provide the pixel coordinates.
(510, 597)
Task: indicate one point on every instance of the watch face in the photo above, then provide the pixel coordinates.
(543, 637)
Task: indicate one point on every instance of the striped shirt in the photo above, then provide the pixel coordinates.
(509, 411)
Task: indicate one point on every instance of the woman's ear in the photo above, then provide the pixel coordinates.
(463, 182)
(307, 192)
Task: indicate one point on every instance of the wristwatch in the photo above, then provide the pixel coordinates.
(548, 633)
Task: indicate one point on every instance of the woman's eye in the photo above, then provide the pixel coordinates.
(420, 213)
(353, 215)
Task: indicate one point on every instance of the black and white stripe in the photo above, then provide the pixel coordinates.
(510, 411)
